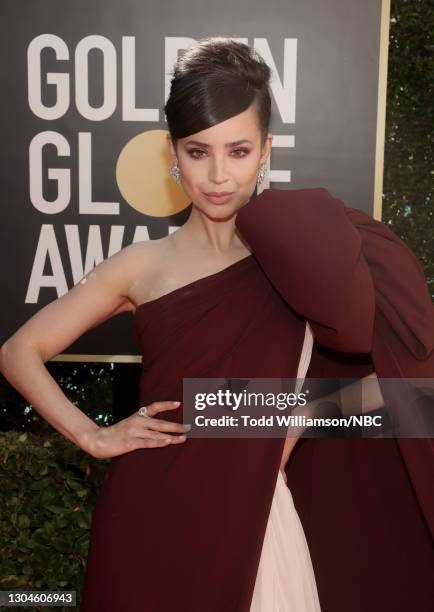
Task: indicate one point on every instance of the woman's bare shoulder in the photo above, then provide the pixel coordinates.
(138, 254)
(138, 262)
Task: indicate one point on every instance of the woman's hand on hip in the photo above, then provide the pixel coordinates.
(136, 432)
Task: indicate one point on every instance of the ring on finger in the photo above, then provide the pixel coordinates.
(143, 411)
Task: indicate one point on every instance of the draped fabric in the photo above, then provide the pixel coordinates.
(367, 505)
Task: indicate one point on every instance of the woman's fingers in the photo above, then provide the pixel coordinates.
(149, 434)
(156, 442)
(160, 425)
(155, 424)
(156, 407)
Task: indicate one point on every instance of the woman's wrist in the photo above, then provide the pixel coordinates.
(86, 438)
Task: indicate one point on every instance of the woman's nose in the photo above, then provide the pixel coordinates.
(217, 171)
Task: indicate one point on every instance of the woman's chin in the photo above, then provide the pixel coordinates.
(219, 212)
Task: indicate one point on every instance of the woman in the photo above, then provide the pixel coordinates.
(189, 525)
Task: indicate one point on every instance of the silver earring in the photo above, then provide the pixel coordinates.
(261, 173)
(174, 171)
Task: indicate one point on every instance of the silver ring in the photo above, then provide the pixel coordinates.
(143, 411)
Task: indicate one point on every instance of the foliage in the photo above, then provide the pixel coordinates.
(88, 385)
(48, 489)
(408, 157)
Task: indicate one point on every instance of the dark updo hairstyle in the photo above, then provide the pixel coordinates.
(214, 80)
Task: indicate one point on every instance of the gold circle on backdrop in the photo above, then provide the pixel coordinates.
(143, 177)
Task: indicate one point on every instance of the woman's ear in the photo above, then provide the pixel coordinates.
(266, 147)
(172, 147)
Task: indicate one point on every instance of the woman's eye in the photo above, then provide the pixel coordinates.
(192, 153)
(241, 152)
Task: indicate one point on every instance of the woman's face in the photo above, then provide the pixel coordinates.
(222, 159)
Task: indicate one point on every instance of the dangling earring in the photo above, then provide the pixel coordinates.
(261, 173)
(174, 171)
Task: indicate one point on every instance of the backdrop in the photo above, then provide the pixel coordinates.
(84, 165)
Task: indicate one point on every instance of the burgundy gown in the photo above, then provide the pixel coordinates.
(182, 527)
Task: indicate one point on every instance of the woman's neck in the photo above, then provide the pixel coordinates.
(203, 234)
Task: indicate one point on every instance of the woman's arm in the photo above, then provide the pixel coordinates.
(348, 398)
(101, 294)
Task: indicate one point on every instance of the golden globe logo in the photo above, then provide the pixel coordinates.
(143, 177)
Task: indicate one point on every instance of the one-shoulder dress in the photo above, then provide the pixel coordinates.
(209, 524)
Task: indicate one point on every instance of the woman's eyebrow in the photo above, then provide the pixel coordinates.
(229, 144)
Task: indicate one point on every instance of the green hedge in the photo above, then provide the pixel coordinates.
(48, 488)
